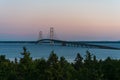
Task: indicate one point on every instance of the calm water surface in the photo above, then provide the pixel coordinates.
(12, 50)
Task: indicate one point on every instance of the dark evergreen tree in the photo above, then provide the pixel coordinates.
(53, 59)
(26, 57)
(78, 62)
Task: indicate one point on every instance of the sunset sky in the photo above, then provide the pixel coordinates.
(71, 19)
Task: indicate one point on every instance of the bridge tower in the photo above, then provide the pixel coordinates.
(51, 35)
(40, 35)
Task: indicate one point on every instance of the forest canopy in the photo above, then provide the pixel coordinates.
(58, 68)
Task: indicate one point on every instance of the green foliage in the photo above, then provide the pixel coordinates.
(53, 59)
(55, 68)
(78, 62)
(26, 57)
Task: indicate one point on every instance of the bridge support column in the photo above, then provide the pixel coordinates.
(63, 44)
(51, 42)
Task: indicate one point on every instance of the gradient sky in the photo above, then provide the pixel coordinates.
(71, 19)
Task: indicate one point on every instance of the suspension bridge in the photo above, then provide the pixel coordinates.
(52, 41)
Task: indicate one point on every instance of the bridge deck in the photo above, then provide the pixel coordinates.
(77, 43)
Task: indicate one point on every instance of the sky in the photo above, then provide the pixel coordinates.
(72, 19)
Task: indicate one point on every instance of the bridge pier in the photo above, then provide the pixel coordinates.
(63, 44)
(51, 42)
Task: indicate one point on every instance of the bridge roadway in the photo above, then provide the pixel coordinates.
(75, 44)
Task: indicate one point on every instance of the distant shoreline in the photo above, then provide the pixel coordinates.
(74, 41)
(17, 41)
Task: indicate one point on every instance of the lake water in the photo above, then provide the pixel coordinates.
(12, 50)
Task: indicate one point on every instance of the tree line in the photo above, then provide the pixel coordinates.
(54, 68)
